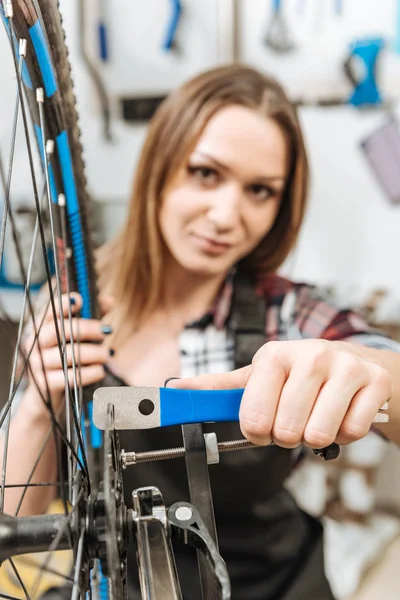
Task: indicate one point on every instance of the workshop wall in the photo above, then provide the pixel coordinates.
(350, 239)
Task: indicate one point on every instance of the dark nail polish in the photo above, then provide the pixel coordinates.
(72, 301)
(106, 329)
(111, 351)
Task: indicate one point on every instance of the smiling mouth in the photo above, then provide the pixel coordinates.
(210, 245)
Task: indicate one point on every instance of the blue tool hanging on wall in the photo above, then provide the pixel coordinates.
(169, 42)
(278, 37)
(338, 7)
(103, 32)
(361, 69)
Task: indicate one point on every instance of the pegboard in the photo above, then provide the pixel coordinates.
(139, 66)
(350, 237)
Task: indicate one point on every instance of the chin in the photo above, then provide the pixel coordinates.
(207, 267)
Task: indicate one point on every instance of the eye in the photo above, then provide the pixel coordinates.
(262, 192)
(203, 174)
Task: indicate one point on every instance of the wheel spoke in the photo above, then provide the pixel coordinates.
(54, 544)
(18, 576)
(78, 566)
(43, 113)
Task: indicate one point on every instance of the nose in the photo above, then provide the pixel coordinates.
(224, 208)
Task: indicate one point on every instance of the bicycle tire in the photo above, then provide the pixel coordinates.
(41, 21)
(47, 67)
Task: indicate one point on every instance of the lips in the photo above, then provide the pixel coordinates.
(210, 245)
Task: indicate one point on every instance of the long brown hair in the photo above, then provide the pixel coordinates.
(131, 266)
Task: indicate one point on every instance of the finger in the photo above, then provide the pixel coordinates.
(296, 402)
(72, 302)
(106, 302)
(260, 399)
(85, 354)
(218, 381)
(333, 402)
(84, 330)
(87, 376)
(362, 411)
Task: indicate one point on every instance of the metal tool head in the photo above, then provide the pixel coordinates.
(134, 407)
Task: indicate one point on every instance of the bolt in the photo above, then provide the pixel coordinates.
(135, 458)
(184, 513)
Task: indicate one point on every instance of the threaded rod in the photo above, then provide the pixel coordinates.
(135, 458)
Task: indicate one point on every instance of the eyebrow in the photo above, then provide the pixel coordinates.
(224, 167)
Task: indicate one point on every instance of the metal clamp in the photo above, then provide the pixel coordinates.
(188, 527)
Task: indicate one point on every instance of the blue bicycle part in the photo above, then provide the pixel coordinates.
(361, 69)
(170, 36)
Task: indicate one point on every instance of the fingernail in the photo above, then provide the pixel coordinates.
(106, 329)
(111, 351)
(166, 382)
(384, 406)
(381, 418)
(72, 301)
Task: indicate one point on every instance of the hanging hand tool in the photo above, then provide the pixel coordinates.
(228, 31)
(381, 149)
(278, 37)
(361, 69)
(103, 31)
(397, 29)
(338, 7)
(104, 99)
(169, 42)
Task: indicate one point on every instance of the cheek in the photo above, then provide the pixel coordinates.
(259, 222)
(179, 208)
(171, 214)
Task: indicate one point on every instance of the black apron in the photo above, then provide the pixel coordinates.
(272, 549)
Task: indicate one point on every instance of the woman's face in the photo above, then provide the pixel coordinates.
(224, 200)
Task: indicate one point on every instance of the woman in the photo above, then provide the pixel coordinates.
(217, 205)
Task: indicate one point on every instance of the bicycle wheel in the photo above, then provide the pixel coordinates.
(59, 254)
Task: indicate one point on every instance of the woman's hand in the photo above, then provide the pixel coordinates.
(85, 336)
(313, 392)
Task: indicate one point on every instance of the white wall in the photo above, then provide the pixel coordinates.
(350, 237)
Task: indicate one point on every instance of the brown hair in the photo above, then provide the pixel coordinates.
(131, 266)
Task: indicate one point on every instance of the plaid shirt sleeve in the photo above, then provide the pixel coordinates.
(319, 318)
(299, 310)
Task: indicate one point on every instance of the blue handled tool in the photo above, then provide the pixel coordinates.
(149, 407)
(170, 36)
(146, 407)
(361, 68)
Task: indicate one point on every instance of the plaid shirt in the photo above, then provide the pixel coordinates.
(293, 311)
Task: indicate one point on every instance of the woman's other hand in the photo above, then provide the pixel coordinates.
(85, 339)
